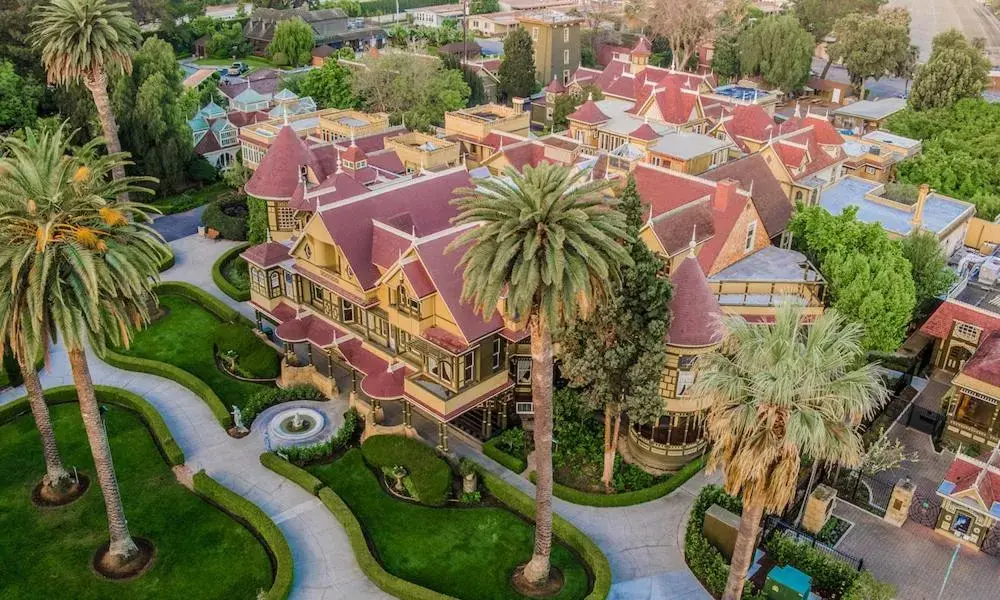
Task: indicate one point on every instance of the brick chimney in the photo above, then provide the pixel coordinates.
(918, 210)
(725, 193)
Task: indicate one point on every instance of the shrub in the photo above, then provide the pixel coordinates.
(282, 467)
(222, 272)
(167, 262)
(828, 573)
(261, 524)
(509, 449)
(428, 474)
(866, 587)
(647, 494)
(254, 358)
(11, 369)
(347, 434)
(265, 399)
(628, 477)
(702, 558)
(471, 497)
(228, 216)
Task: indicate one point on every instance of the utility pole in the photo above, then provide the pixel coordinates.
(465, 31)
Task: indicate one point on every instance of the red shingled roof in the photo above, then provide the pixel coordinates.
(387, 247)
(985, 363)
(588, 113)
(352, 154)
(772, 204)
(556, 86)
(419, 280)
(277, 175)
(266, 255)
(750, 122)
(695, 312)
(664, 190)
(982, 475)
(940, 323)
(674, 228)
(644, 132)
(310, 328)
(643, 47)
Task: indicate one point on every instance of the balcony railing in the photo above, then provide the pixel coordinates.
(768, 293)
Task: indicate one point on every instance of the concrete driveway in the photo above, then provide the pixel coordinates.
(971, 17)
(175, 226)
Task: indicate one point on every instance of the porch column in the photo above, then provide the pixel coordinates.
(486, 419)
(354, 379)
(329, 362)
(309, 352)
(260, 325)
(406, 414)
(443, 436)
(489, 419)
(504, 409)
(289, 351)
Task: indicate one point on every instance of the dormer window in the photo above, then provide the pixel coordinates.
(303, 173)
(308, 251)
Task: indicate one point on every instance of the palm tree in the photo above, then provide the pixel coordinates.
(547, 244)
(80, 264)
(86, 40)
(779, 392)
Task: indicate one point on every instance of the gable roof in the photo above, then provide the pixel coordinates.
(266, 255)
(985, 362)
(588, 113)
(941, 320)
(773, 206)
(974, 482)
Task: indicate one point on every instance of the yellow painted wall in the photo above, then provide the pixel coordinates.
(982, 232)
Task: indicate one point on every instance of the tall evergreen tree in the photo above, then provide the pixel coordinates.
(778, 49)
(517, 69)
(957, 69)
(618, 354)
(292, 43)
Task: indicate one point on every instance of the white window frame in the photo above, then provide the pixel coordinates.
(748, 243)
(566, 57)
(967, 332)
(497, 349)
(566, 34)
(346, 311)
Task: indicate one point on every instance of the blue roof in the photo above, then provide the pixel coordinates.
(220, 124)
(248, 96)
(946, 487)
(995, 509)
(212, 111)
(198, 124)
(741, 92)
(791, 578)
(939, 211)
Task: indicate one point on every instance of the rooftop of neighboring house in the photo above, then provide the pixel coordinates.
(439, 9)
(197, 78)
(939, 213)
(264, 82)
(752, 172)
(872, 110)
(263, 21)
(881, 144)
(974, 482)
(520, 5)
(985, 362)
(549, 17)
(686, 145)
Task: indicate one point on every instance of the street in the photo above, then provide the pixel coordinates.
(971, 17)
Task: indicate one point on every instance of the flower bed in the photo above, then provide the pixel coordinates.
(509, 448)
(428, 477)
(230, 274)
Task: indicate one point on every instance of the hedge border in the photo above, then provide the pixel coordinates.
(167, 262)
(591, 554)
(513, 498)
(653, 492)
(206, 300)
(386, 581)
(509, 461)
(66, 394)
(257, 521)
(220, 280)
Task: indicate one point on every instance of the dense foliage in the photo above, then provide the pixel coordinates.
(778, 49)
(893, 55)
(957, 69)
(517, 69)
(869, 281)
(929, 266)
(228, 216)
(292, 43)
(267, 398)
(329, 86)
(251, 357)
(566, 104)
(702, 558)
(345, 435)
(961, 151)
(19, 98)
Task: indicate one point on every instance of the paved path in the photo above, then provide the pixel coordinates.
(643, 543)
(931, 17)
(178, 225)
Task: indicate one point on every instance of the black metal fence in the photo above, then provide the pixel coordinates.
(868, 492)
(774, 526)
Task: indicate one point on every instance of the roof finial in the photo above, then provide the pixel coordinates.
(798, 110)
(404, 120)
(285, 113)
(693, 242)
(649, 219)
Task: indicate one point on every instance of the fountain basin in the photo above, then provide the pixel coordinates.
(296, 425)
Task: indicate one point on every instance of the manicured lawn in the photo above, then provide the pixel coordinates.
(468, 553)
(189, 199)
(184, 338)
(45, 554)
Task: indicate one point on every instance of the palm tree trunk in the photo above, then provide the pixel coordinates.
(809, 487)
(746, 542)
(612, 426)
(122, 547)
(97, 83)
(56, 476)
(537, 570)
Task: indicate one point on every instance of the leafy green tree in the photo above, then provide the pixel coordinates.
(929, 265)
(480, 7)
(726, 58)
(85, 41)
(617, 355)
(78, 264)
(566, 104)
(517, 69)
(256, 220)
(960, 152)
(957, 69)
(546, 244)
(19, 98)
(292, 43)
(777, 393)
(329, 86)
(350, 7)
(149, 106)
(892, 55)
(419, 90)
(228, 42)
(778, 49)
(868, 278)
(477, 91)
(820, 16)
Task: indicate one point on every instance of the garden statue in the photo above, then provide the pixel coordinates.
(238, 420)
(399, 472)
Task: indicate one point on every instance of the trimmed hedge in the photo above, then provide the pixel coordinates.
(261, 524)
(265, 399)
(345, 435)
(254, 358)
(199, 296)
(653, 492)
(167, 262)
(429, 475)
(220, 279)
(229, 227)
(520, 502)
(494, 448)
(303, 478)
(162, 369)
(114, 396)
(828, 573)
(704, 560)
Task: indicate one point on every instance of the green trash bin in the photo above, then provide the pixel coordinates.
(787, 583)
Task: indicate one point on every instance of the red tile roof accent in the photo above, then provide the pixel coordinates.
(983, 476)
(643, 47)
(525, 154)
(421, 282)
(266, 255)
(352, 154)
(750, 122)
(644, 132)
(277, 175)
(674, 228)
(309, 328)
(447, 277)
(695, 313)
(330, 284)
(664, 190)
(387, 160)
(207, 144)
(378, 381)
(242, 119)
(791, 156)
(427, 199)
(280, 313)
(387, 247)
(515, 336)
(752, 172)
(446, 340)
(940, 323)
(675, 105)
(555, 86)
(588, 113)
(605, 54)
(503, 387)
(334, 188)
(725, 212)
(495, 139)
(825, 132)
(962, 473)
(985, 362)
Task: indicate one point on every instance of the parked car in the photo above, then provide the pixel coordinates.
(238, 68)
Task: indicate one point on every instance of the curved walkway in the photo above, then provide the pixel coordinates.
(643, 543)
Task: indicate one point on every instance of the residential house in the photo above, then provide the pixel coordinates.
(807, 156)
(874, 155)
(216, 139)
(330, 26)
(257, 89)
(835, 92)
(945, 217)
(488, 70)
(867, 115)
(536, 5)
(555, 37)
(422, 152)
(970, 494)
(435, 16)
(493, 25)
(482, 130)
